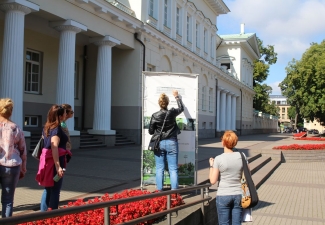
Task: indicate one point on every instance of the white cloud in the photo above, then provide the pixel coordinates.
(275, 88)
(288, 25)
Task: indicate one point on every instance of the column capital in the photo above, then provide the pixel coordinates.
(18, 5)
(68, 25)
(107, 40)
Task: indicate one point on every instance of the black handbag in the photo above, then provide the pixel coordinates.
(250, 197)
(154, 142)
(38, 149)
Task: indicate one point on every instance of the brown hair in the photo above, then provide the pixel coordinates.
(163, 101)
(67, 107)
(229, 139)
(53, 120)
(6, 107)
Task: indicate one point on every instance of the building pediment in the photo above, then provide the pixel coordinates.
(218, 6)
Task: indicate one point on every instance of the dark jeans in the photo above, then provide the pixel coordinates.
(51, 195)
(9, 177)
(229, 209)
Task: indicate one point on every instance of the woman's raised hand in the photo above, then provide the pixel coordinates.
(175, 93)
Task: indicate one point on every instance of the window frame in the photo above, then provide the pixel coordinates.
(29, 79)
(197, 27)
(29, 119)
(151, 8)
(210, 99)
(203, 94)
(178, 20)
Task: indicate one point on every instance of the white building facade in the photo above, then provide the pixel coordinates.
(91, 54)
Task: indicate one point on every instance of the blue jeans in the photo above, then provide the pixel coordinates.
(51, 195)
(9, 177)
(168, 151)
(229, 209)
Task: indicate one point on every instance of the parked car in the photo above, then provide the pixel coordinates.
(313, 131)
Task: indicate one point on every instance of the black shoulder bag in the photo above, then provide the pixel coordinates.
(249, 197)
(154, 143)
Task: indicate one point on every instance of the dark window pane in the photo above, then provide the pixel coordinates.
(35, 57)
(33, 121)
(35, 68)
(35, 77)
(35, 87)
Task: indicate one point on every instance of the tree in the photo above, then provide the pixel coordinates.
(304, 85)
(261, 72)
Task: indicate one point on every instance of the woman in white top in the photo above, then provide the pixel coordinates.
(228, 168)
(12, 156)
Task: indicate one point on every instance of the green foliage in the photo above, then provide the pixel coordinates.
(304, 85)
(148, 159)
(261, 72)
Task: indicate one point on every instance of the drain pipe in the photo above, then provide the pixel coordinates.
(84, 68)
(241, 111)
(144, 52)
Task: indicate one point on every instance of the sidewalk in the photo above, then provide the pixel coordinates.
(93, 172)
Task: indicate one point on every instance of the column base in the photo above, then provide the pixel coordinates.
(102, 132)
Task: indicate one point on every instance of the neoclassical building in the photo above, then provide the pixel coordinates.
(91, 54)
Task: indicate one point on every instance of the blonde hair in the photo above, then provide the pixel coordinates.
(6, 107)
(229, 139)
(163, 101)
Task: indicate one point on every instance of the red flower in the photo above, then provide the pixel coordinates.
(126, 211)
(301, 147)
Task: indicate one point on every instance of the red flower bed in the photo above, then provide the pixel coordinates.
(126, 211)
(311, 139)
(300, 135)
(300, 147)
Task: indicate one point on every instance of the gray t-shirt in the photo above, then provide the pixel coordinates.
(230, 166)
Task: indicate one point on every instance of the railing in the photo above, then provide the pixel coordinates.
(179, 38)
(153, 22)
(122, 7)
(198, 50)
(189, 45)
(204, 192)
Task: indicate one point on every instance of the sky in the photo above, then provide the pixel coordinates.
(289, 25)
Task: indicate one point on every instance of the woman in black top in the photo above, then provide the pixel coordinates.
(168, 144)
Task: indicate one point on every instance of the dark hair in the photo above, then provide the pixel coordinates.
(67, 107)
(53, 120)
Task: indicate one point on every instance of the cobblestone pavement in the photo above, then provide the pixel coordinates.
(294, 194)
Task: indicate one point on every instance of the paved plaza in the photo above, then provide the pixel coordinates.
(294, 194)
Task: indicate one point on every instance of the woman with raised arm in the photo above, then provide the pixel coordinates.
(168, 145)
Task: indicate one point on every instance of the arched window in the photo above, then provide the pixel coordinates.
(203, 106)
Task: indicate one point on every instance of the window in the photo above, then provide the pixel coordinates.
(211, 46)
(283, 102)
(203, 125)
(278, 102)
(188, 28)
(166, 13)
(33, 72)
(31, 121)
(150, 67)
(210, 100)
(205, 40)
(283, 110)
(76, 78)
(283, 116)
(178, 29)
(227, 65)
(197, 35)
(203, 98)
(151, 8)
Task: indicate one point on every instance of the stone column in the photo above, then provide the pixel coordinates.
(233, 111)
(229, 113)
(218, 111)
(223, 110)
(102, 110)
(12, 64)
(67, 50)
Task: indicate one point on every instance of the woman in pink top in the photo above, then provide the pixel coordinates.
(12, 156)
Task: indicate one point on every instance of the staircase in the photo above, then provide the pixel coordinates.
(120, 140)
(89, 141)
(262, 167)
(34, 140)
